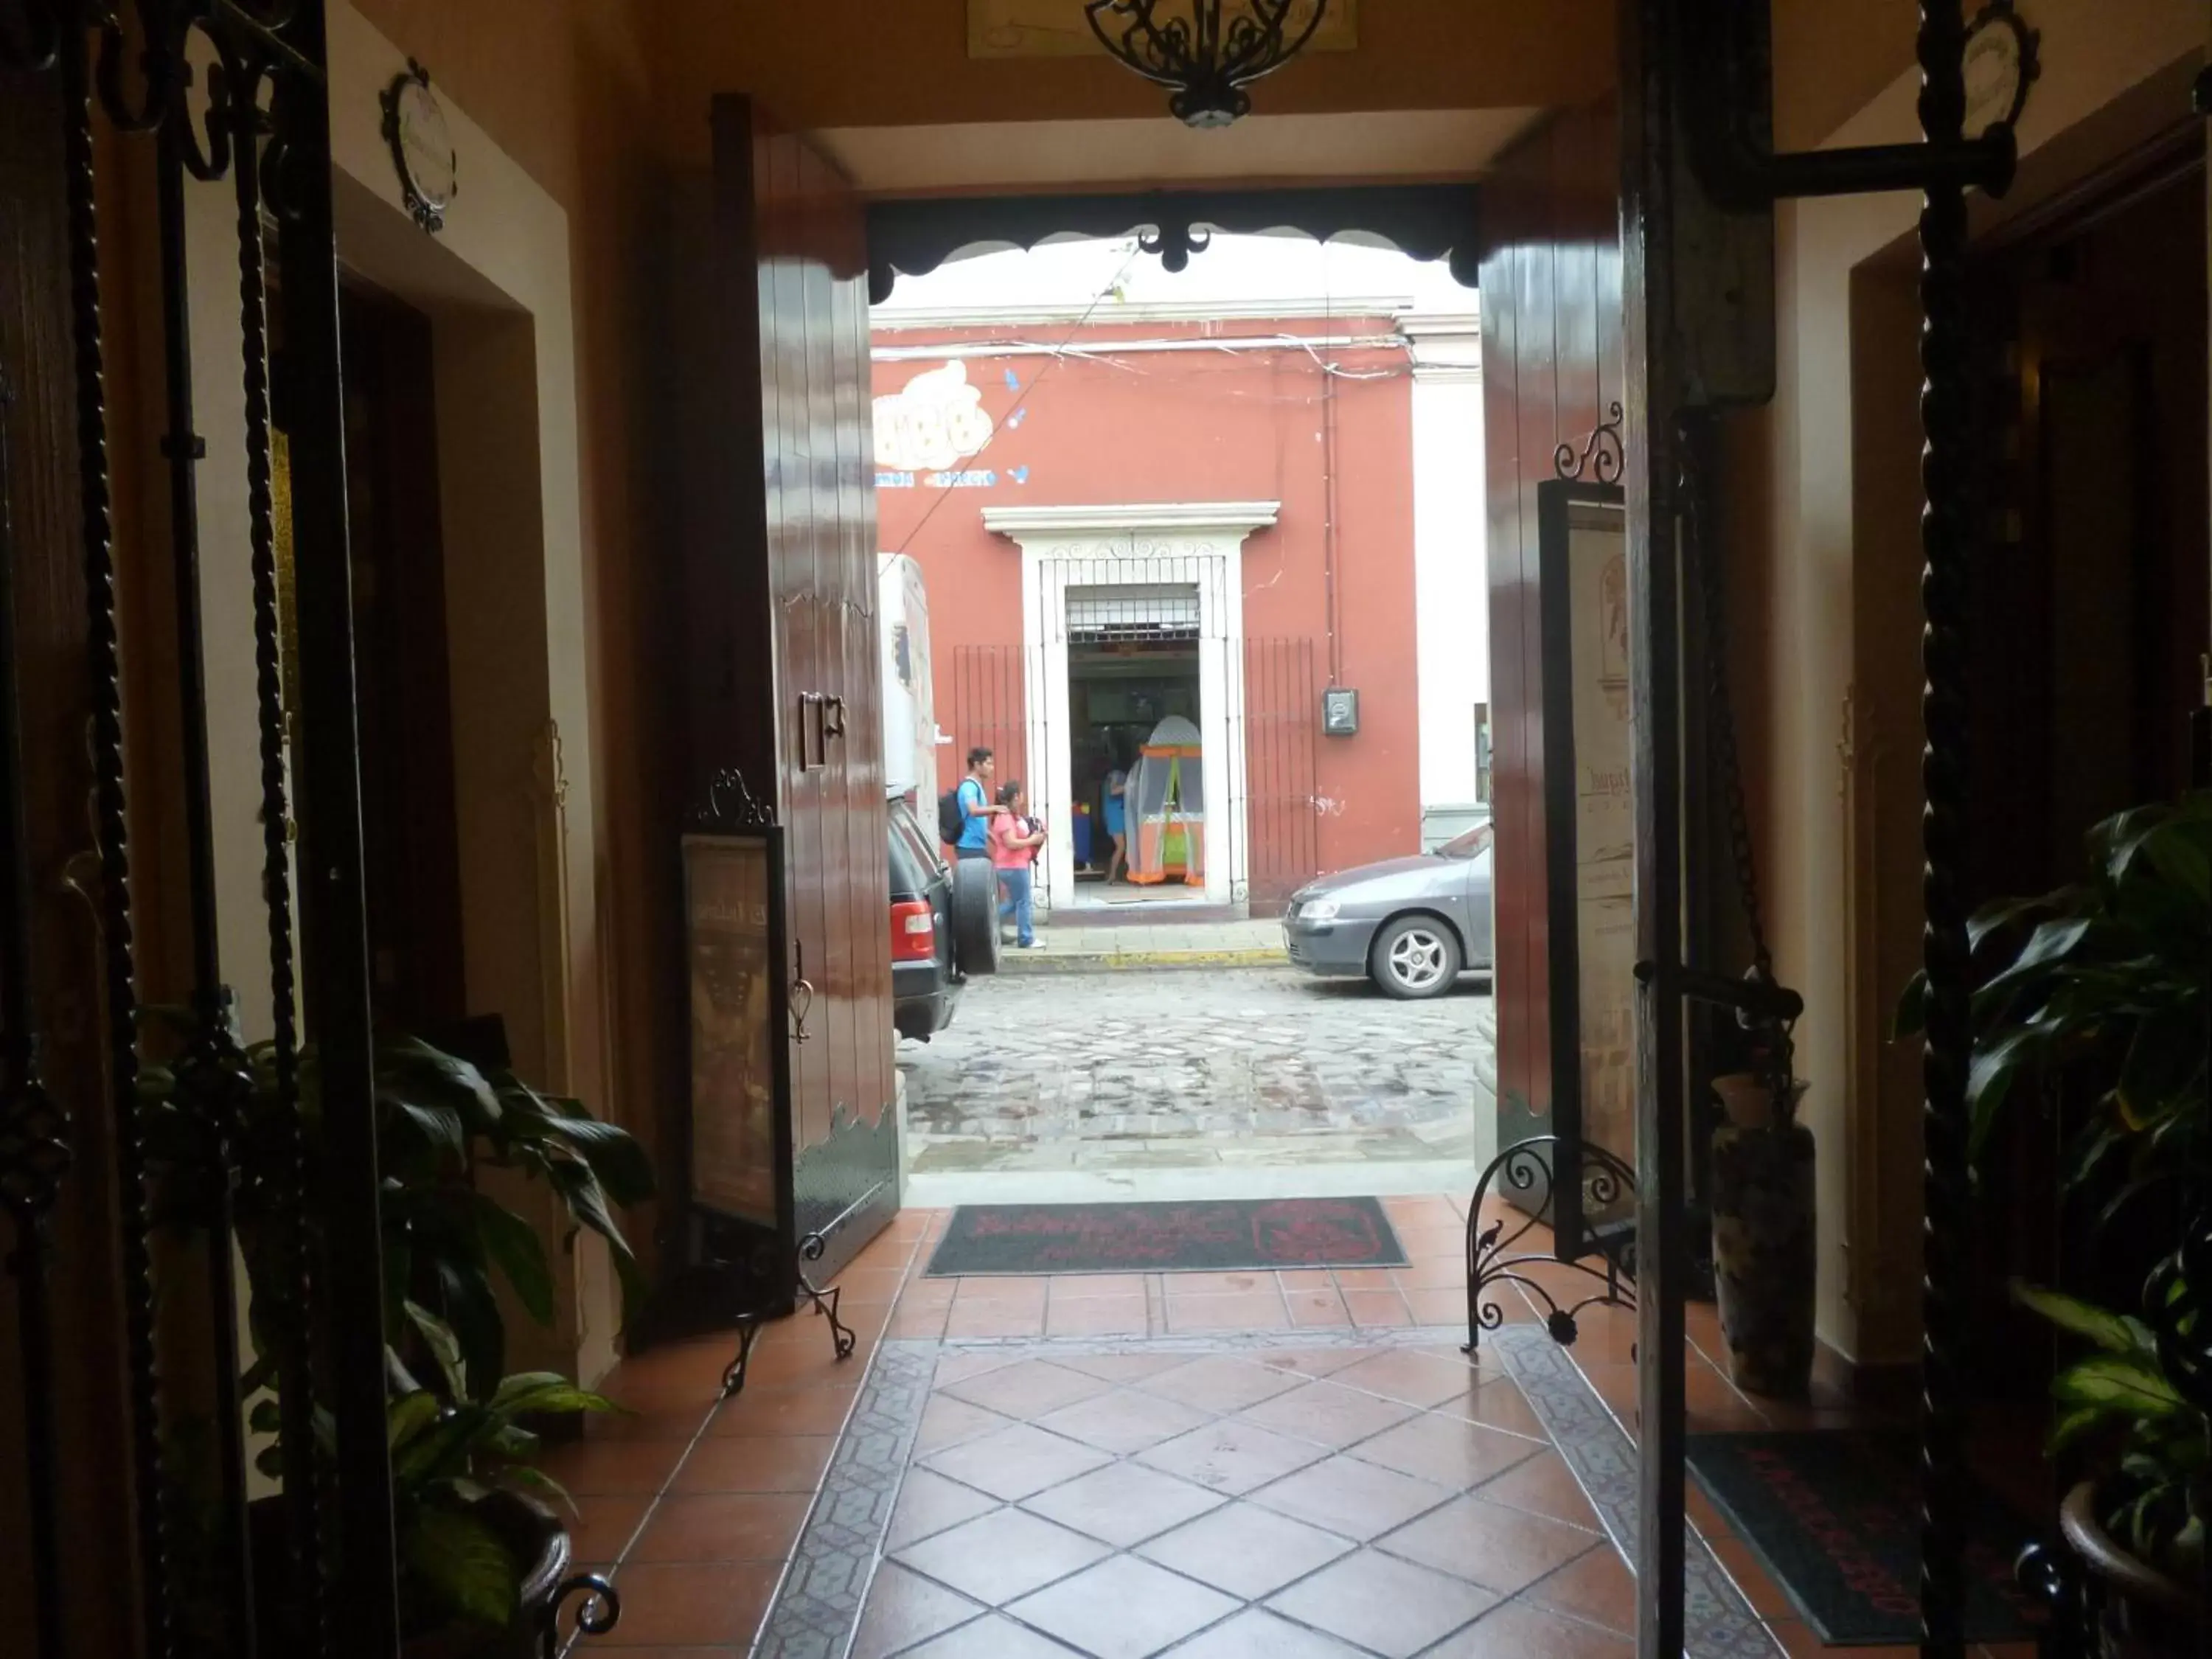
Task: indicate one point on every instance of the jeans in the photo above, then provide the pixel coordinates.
(1014, 893)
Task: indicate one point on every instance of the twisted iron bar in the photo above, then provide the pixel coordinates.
(104, 655)
(1604, 1180)
(1948, 1194)
(303, 1476)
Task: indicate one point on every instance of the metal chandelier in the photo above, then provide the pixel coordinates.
(1208, 63)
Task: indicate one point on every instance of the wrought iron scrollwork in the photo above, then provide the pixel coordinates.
(1602, 454)
(1208, 63)
(1527, 1169)
(596, 1614)
(843, 1340)
(2054, 1576)
(730, 807)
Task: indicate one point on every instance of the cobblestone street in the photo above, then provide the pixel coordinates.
(1262, 1076)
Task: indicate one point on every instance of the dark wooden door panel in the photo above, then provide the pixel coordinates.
(802, 714)
(1553, 367)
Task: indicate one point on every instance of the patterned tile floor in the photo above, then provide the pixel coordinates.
(1207, 1466)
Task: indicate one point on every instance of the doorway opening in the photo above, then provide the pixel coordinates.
(410, 842)
(1133, 668)
(1185, 534)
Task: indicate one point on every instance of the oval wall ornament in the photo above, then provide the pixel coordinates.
(2001, 62)
(422, 147)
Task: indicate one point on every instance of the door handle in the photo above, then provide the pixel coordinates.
(802, 1001)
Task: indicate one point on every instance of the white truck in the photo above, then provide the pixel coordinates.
(910, 734)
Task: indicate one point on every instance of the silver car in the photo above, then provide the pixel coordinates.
(1412, 925)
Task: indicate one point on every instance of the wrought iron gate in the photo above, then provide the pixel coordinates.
(231, 95)
(1282, 698)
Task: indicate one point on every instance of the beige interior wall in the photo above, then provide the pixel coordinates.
(496, 285)
(1841, 802)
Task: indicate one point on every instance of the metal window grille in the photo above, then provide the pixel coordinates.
(1133, 612)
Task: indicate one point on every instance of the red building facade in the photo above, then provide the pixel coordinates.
(1118, 519)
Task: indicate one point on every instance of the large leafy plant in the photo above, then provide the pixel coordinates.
(2102, 987)
(2121, 1398)
(441, 1123)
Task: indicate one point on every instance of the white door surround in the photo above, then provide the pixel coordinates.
(1198, 543)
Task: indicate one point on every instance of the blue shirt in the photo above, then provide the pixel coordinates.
(975, 827)
(1116, 802)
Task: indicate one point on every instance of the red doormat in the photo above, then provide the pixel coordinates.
(1210, 1235)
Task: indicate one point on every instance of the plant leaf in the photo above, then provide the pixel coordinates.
(546, 1393)
(444, 1346)
(513, 1245)
(2051, 942)
(2121, 1386)
(618, 1161)
(2112, 1332)
(407, 1416)
(463, 1563)
(468, 1305)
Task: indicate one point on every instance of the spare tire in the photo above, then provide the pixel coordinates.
(974, 916)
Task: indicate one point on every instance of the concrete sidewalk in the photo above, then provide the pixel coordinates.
(1070, 946)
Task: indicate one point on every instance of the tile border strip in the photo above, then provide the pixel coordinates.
(817, 1602)
(1720, 1623)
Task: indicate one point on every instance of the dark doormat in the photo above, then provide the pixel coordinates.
(1835, 1519)
(1210, 1235)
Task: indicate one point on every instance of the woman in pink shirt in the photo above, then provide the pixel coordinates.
(1015, 837)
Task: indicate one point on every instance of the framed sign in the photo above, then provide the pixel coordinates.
(1589, 838)
(740, 994)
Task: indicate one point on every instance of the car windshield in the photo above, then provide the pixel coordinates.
(1466, 846)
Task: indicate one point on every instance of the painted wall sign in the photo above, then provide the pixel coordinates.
(422, 147)
(1590, 822)
(936, 420)
(728, 881)
(1056, 28)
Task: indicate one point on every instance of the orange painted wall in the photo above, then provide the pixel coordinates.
(1205, 427)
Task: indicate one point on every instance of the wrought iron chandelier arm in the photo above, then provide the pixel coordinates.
(1255, 47)
(1160, 53)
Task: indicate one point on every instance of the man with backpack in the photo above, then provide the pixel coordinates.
(964, 814)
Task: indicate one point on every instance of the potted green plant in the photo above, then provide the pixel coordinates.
(480, 1556)
(2103, 984)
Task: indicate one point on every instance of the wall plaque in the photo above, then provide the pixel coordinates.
(739, 1067)
(422, 147)
(1589, 823)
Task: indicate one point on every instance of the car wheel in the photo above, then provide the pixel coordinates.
(975, 915)
(1415, 958)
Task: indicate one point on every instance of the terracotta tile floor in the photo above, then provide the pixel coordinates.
(1301, 1504)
